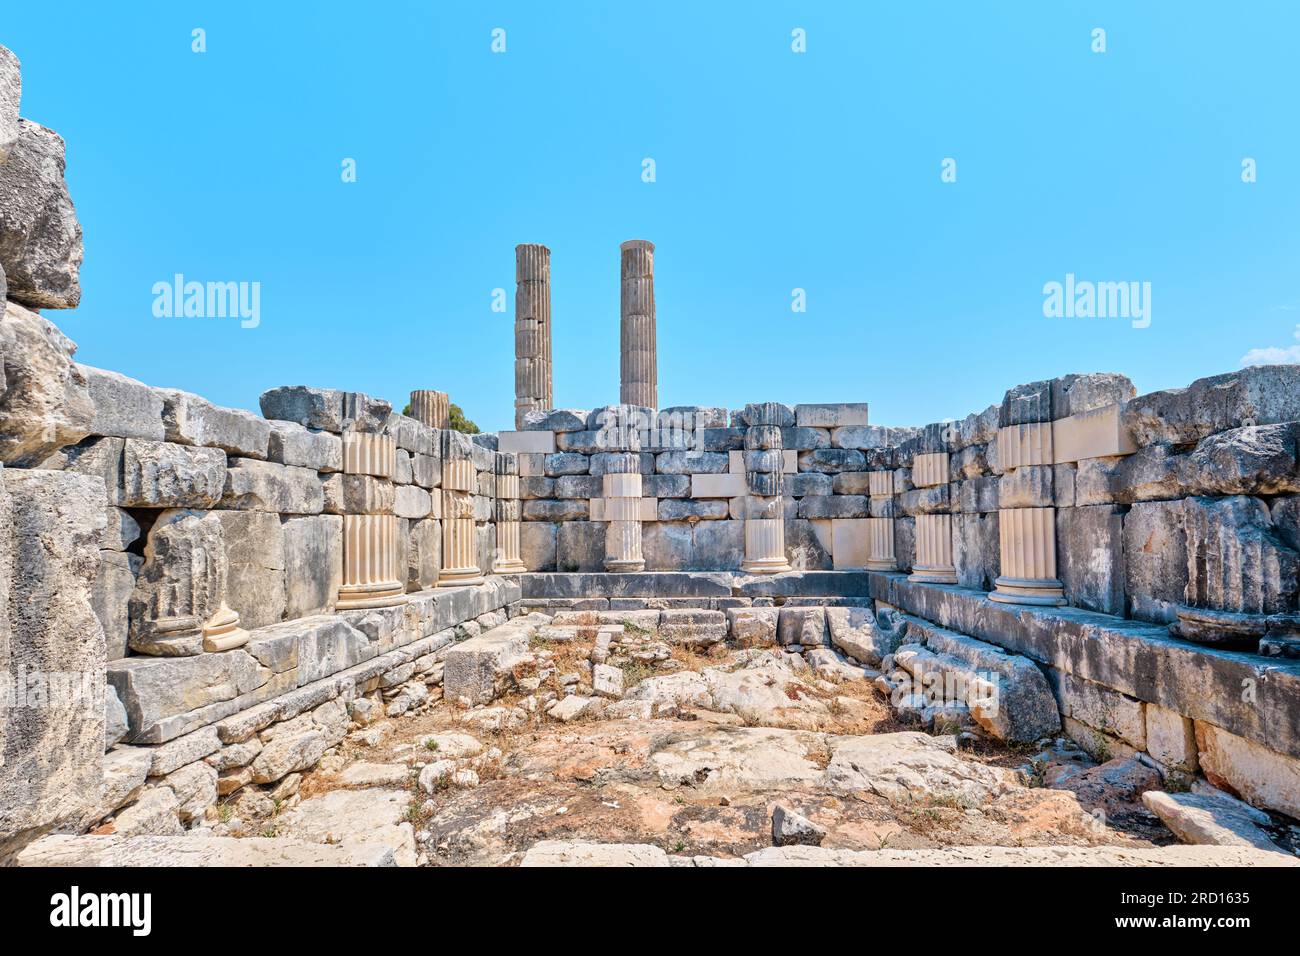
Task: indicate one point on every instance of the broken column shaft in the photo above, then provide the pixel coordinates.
(533, 385)
(639, 369)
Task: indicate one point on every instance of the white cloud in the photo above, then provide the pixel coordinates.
(1272, 355)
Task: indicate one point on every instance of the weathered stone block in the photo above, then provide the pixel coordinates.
(423, 554)
(1090, 557)
(570, 509)
(537, 545)
(291, 444)
(474, 670)
(53, 746)
(326, 408)
(45, 403)
(256, 566)
(124, 408)
(1155, 560)
(1261, 395)
(313, 563)
(191, 420)
(976, 553)
(111, 596)
(253, 485)
(40, 238)
(581, 546)
(832, 460)
(167, 475)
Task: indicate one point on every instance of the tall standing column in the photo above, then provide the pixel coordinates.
(507, 560)
(371, 549)
(933, 527)
(639, 366)
(533, 385)
(459, 483)
(880, 526)
(431, 408)
(764, 506)
(1027, 518)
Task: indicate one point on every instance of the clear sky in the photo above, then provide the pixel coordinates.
(775, 171)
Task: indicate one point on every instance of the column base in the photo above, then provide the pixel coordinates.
(881, 565)
(624, 567)
(1231, 629)
(222, 632)
(766, 566)
(513, 566)
(923, 575)
(459, 577)
(1043, 592)
(358, 596)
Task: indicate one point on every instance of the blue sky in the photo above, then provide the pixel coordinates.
(775, 171)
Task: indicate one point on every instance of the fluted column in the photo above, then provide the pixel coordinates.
(459, 483)
(764, 506)
(880, 526)
(431, 408)
(1026, 531)
(372, 553)
(933, 529)
(622, 492)
(639, 369)
(533, 384)
(508, 560)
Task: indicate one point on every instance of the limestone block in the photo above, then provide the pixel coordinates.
(925, 501)
(426, 471)
(566, 463)
(1155, 560)
(40, 238)
(537, 545)
(326, 408)
(358, 494)
(115, 722)
(752, 626)
(252, 485)
(1171, 738)
(1027, 403)
(805, 439)
(411, 502)
(789, 459)
(195, 788)
(1029, 486)
(191, 420)
(976, 550)
(831, 416)
(311, 648)
(692, 463)
(1080, 393)
(718, 545)
(854, 483)
(1090, 546)
(832, 460)
(414, 435)
(805, 626)
(1261, 777)
(124, 408)
(976, 495)
(1093, 434)
(555, 510)
(1259, 395)
(167, 475)
(804, 484)
(45, 403)
(578, 486)
(866, 436)
(475, 670)
(805, 549)
(581, 546)
(1101, 707)
(423, 554)
(834, 506)
(255, 558)
(556, 420)
(289, 754)
(11, 89)
(857, 632)
(111, 598)
(52, 766)
(717, 486)
(313, 563)
(291, 444)
(532, 442)
(601, 463)
(850, 543)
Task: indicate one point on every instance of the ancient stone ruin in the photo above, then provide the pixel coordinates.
(1064, 628)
